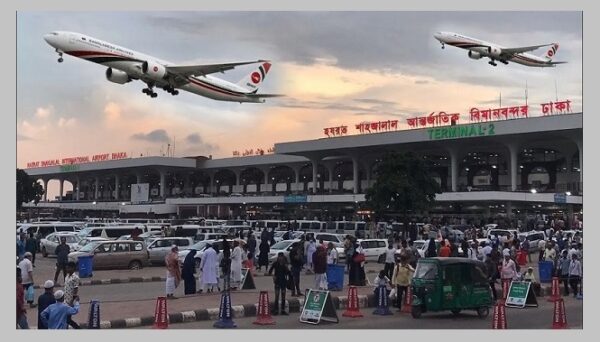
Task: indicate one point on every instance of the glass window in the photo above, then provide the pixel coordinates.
(381, 244)
(183, 242)
(121, 247)
(427, 271)
(104, 248)
(360, 226)
(478, 274)
(138, 246)
(65, 228)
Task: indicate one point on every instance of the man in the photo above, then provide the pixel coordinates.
(472, 251)
(21, 311)
(71, 290)
(319, 262)
(492, 273)
(401, 279)
(563, 266)
(135, 233)
(296, 260)
(236, 266)
(209, 268)
(21, 245)
(56, 315)
(509, 268)
(45, 300)
(251, 244)
(332, 254)
(575, 273)
(486, 250)
(542, 248)
(173, 272)
(388, 269)
(62, 257)
(525, 248)
(31, 246)
(27, 276)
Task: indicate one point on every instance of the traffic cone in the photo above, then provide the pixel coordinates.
(555, 290)
(225, 313)
(263, 316)
(382, 302)
(352, 309)
(94, 316)
(407, 302)
(499, 317)
(560, 316)
(161, 317)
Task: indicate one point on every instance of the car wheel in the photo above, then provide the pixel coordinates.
(455, 311)
(44, 252)
(416, 311)
(483, 312)
(135, 265)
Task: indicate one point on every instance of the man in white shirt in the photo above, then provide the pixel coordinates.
(332, 254)
(389, 261)
(575, 273)
(486, 251)
(542, 249)
(27, 275)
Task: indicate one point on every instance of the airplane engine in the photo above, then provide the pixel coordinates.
(494, 52)
(474, 55)
(154, 70)
(117, 76)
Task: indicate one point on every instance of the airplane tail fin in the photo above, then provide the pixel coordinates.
(551, 52)
(253, 80)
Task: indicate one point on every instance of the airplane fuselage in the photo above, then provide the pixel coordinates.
(487, 49)
(130, 61)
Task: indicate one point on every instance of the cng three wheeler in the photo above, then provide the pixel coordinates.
(453, 284)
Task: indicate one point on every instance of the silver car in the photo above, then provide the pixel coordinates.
(49, 243)
(160, 247)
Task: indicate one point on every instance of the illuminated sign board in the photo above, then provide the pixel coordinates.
(463, 131)
(77, 160)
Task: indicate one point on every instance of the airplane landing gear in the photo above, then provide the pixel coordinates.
(492, 63)
(60, 59)
(171, 90)
(504, 62)
(443, 46)
(148, 91)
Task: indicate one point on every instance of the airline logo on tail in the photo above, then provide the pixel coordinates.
(253, 80)
(551, 51)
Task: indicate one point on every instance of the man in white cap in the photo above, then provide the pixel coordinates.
(27, 273)
(173, 272)
(45, 300)
(509, 268)
(55, 315)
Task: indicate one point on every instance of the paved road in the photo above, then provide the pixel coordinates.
(529, 318)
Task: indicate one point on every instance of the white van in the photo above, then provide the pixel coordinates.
(113, 232)
(46, 228)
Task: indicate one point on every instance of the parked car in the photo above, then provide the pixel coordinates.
(85, 241)
(200, 247)
(373, 248)
(160, 247)
(112, 254)
(534, 238)
(284, 246)
(508, 233)
(49, 243)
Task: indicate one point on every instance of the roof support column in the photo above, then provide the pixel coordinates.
(355, 174)
(116, 187)
(163, 183)
(60, 189)
(513, 149)
(330, 169)
(97, 187)
(454, 155)
(579, 143)
(45, 184)
(138, 177)
(77, 188)
(315, 169)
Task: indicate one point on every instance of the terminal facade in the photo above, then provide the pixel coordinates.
(511, 167)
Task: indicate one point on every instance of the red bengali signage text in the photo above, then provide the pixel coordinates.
(558, 107)
(78, 160)
(499, 113)
(434, 119)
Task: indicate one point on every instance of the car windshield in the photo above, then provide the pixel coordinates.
(199, 245)
(85, 231)
(282, 245)
(427, 271)
(499, 232)
(70, 238)
(89, 247)
(419, 244)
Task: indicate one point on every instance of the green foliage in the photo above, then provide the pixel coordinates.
(403, 185)
(27, 189)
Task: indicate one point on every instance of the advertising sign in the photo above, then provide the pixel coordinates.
(139, 193)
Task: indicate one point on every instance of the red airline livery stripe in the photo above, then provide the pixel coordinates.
(91, 53)
(214, 88)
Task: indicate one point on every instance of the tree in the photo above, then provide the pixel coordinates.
(28, 189)
(404, 185)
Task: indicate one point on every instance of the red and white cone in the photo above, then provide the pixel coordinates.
(559, 320)
(352, 310)
(407, 302)
(555, 290)
(263, 316)
(161, 316)
(499, 317)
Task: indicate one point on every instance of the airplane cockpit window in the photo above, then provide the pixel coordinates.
(54, 33)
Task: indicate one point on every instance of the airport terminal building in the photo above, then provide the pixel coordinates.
(513, 167)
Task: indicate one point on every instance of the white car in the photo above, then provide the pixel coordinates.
(373, 248)
(200, 247)
(87, 240)
(49, 243)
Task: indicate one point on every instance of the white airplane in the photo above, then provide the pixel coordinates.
(479, 48)
(125, 65)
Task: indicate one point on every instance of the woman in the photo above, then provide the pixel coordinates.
(187, 273)
(236, 265)
(263, 257)
(310, 250)
(356, 275)
(282, 273)
(431, 250)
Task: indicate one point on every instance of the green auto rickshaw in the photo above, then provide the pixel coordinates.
(453, 284)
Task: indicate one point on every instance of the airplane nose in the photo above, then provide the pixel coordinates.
(50, 39)
(438, 35)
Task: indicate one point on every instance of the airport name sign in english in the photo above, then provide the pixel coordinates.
(462, 131)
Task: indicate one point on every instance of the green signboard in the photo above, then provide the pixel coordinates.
(462, 131)
(318, 306)
(69, 168)
(520, 295)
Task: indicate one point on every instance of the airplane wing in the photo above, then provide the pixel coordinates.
(205, 69)
(558, 63)
(512, 51)
(263, 95)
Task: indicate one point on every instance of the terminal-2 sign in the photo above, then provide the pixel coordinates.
(462, 131)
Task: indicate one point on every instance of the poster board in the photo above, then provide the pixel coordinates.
(140, 193)
(318, 307)
(520, 295)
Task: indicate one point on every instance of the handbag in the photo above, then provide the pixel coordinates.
(30, 294)
(358, 258)
(290, 282)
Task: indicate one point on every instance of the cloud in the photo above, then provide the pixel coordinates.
(44, 112)
(421, 82)
(197, 144)
(156, 136)
(21, 137)
(112, 111)
(70, 122)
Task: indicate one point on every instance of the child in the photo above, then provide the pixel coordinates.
(530, 277)
(381, 280)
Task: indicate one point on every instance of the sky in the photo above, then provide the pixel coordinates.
(335, 68)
